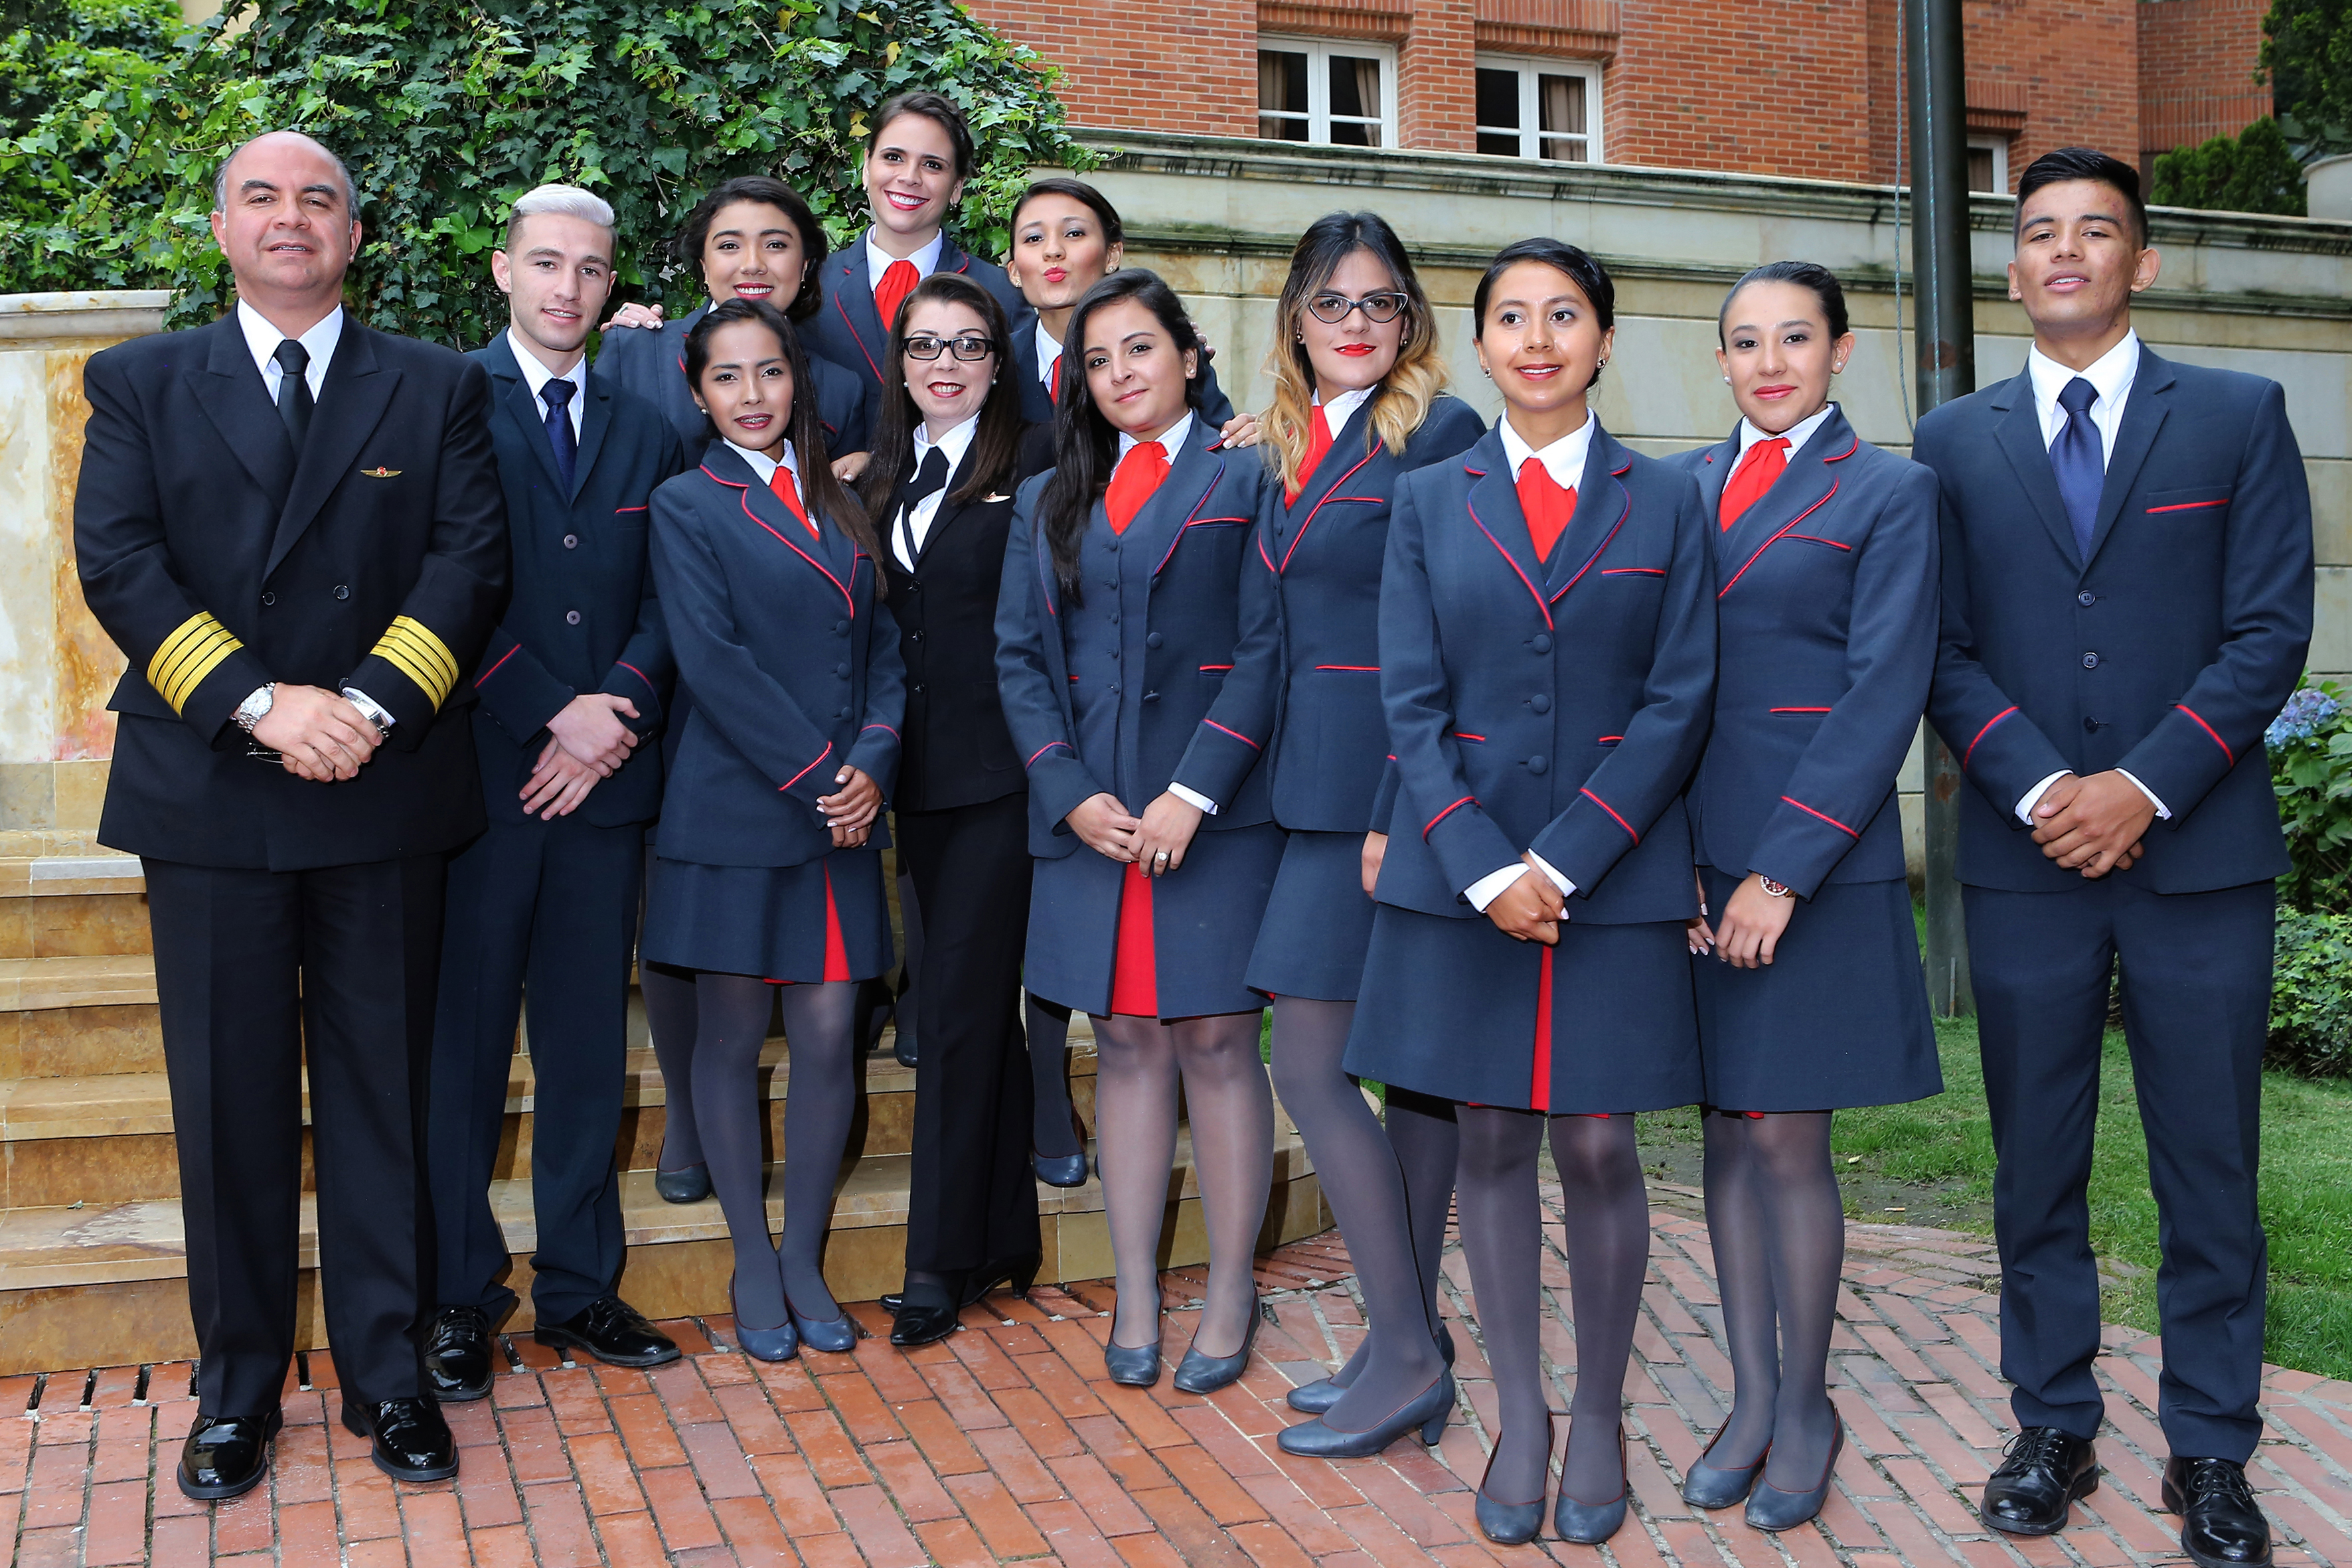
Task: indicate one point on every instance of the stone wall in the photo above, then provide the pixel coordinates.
(2273, 295)
(56, 668)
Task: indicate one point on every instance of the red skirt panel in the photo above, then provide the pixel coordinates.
(1135, 978)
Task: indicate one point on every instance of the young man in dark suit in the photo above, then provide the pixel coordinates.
(291, 525)
(2127, 600)
(573, 680)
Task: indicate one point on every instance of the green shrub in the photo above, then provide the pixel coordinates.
(2252, 171)
(448, 110)
(2311, 996)
(2310, 746)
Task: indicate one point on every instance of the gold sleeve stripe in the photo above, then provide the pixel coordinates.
(192, 652)
(409, 646)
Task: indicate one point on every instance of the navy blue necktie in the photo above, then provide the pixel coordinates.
(2081, 467)
(294, 402)
(557, 395)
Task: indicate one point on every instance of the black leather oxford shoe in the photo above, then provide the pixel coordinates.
(225, 1456)
(613, 1331)
(412, 1442)
(2046, 1471)
(458, 1356)
(2222, 1526)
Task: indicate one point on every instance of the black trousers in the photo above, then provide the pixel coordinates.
(973, 1195)
(256, 969)
(543, 912)
(2196, 1002)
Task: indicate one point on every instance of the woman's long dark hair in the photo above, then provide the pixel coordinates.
(820, 492)
(765, 192)
(995, 444)
(1085, 444)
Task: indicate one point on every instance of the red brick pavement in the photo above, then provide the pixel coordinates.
(1006, 1443)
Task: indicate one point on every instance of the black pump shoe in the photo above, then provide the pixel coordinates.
(412, 1443)
(225, 1456)
(2221, 1525)
(613, 1331)
(2045, 1472)
(459, 1360)
(687, 1185)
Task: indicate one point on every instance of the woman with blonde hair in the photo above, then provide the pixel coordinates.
(1358, 402)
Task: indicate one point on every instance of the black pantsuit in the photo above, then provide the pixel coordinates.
(550, 913)
(972, 1197)
(961, 810)
(232, 946)
(2042, 964)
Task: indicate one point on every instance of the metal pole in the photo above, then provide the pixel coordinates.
(1944, 327)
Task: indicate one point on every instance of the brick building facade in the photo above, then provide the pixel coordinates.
(1806, 87)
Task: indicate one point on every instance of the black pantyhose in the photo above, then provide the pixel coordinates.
(1779, 1232)
(1141, 1064)
(821, 1099)
(1608, 1255)
(1055, 1135)
(670, 1017)
(1360, 1175)
(1428, 1143)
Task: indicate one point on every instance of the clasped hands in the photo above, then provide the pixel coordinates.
(587, 742)
(317, 734)
(1157, 839)
(2093, 825)
(1530, 909)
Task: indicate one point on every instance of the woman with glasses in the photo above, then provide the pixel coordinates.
(1136, 641)
(1358, 403)
(950, 450)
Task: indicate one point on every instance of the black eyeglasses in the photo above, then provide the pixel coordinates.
(927, 347)
(1332, 308)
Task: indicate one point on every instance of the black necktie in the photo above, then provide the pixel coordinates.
(929, 481)
(2082, 465)
(294, 389)
(557, 395)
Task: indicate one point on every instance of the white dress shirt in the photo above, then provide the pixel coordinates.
(2111, 374)
(1564, 460)
(536, 375)
(1797, 435)
(1342, 408)
(926, 260)
(917, 520)
(765, 466)
(1049, 354)
(318, 342)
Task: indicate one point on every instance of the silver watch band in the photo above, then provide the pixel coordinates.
(255, 707)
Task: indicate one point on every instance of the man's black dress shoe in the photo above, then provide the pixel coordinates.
(225, 1456)
(613, 1331)
(412, 1442)
(458, 1361)
(2222, 1526)
(2046, 1471)
(929, 1313)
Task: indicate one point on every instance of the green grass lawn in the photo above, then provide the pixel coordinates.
(1931, 1164)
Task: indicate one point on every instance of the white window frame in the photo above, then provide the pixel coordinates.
(1319, 53)
(1529, 130)
(1998, 146)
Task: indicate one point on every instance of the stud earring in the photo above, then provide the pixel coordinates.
(1727, 380)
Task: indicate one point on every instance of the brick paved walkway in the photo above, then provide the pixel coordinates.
(1005, 1444)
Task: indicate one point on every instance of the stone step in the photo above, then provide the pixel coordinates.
(105, 1284)
(108, 1139)
(72, 906)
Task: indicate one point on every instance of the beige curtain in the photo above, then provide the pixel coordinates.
(1560, 106)
(1368, 93)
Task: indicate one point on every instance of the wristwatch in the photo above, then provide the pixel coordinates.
(256, 708)
(1771, 887)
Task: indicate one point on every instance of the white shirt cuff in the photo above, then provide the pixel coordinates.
(1567, 889)
(1193, 798)
(2032, 797)
(2163, 812)
(1489, 887)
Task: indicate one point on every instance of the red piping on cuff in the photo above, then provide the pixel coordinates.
(1045, 748)
(1832, 821)
(1987, 725)
(804, 771)
(2210, 730)
(633, 670)
(1442, 815)
(510, 653)
(1613, 813)
(1236, 734)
